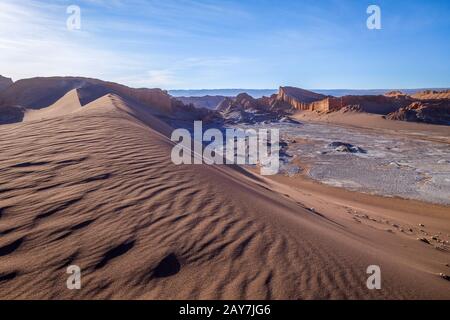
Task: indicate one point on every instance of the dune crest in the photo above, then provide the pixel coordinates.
(68, 104)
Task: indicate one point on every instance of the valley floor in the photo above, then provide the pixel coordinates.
(409, 163)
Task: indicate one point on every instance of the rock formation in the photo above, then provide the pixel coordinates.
(242, 102)
(432, 95)
(394, 94)
(299, 99)
(429, 111)
(208, 102)
(5, 82)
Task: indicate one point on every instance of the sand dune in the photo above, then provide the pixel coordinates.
(96, 188)
(38, 93)
(68, 104)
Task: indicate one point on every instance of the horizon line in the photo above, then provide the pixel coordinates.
(214, 89)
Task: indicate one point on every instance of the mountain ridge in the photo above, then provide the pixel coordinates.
(22, 97)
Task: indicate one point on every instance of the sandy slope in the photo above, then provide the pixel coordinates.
(377, 122)
(96, 188)
(68, 104)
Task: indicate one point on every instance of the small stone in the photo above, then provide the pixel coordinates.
(444, 276)
(421, 225)
(394, 165)
(425, 240)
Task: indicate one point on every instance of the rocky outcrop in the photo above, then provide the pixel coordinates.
(228, 105)
(297, 98)
(243, 101)
(428, 106)
(432, 95)
(246, 109)
(382, 105)
(287, 100)
(429, 111)
(290, 99)
(394, 94)
(5, 82)
(372, 104)
(300, 99)
(346, 147)
(208, 102)
(248, 102)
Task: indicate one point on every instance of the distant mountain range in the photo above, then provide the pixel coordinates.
(36, 98)
(429, 106)
(258, 93)
(255, 93)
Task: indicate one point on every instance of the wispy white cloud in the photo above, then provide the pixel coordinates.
(152, 78)
(34, 41)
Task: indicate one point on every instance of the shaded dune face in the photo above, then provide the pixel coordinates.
(97, 189)
(10, 115)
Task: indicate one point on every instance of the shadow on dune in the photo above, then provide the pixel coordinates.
(168, 267)
(10, 115)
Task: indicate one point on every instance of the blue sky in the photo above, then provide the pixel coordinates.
(194, 44)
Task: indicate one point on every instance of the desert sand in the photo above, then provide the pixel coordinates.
(68, 104)
(95, 187)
